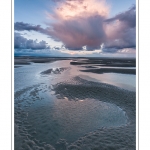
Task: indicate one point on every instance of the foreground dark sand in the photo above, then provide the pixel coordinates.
(117, 138)
(120, 138)
(74, 89)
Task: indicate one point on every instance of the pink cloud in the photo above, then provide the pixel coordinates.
(79, 23)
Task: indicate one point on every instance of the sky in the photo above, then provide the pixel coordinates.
(86, 28)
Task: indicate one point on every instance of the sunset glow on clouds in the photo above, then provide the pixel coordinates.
(80, 23)
(80, 8)
(86, 23)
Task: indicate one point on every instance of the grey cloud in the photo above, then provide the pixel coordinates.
(79, 32)
(21, 26)
(125, 39)
(123, 35)
(74, 33)
(90, 32)
(128, 17)
(22, 43)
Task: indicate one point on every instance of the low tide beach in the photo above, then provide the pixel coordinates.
(74, 104)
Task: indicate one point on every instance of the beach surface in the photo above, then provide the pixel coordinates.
(75, 104)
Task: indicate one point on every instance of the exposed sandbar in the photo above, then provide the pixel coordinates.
(53, 70)
(112, 62)
(27, 60)
(111, 70)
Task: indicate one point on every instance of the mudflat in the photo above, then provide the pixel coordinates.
(64, 111)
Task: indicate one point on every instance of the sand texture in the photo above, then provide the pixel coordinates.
(26, 120)
(66, 112)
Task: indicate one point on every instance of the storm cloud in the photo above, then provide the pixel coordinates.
(22, 43)
(21, 26)
(128, 17)
(80, 23)
(121, 31)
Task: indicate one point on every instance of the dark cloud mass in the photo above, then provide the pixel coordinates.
(121, 31)
(128, 17)
(85, 26)
(74, 34)
(21, 26)
(123, 39)
(22, 43)
(79, 32)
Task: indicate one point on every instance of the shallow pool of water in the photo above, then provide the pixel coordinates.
(52, 119)
(42, 116)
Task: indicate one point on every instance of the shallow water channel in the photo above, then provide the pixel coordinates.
(49, 118)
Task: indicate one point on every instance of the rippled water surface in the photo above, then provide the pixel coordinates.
(47, 118)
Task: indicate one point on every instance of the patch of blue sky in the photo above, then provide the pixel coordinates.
(118, 6)
(32, 11)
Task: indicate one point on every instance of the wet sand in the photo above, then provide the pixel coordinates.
(111, 70)
(107, 65)
(37, 126)
(106, 138)
(27, 60)
(111, 62)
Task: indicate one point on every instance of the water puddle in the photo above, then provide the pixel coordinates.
(53, 119)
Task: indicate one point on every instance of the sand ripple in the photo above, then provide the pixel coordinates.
(38, 124)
